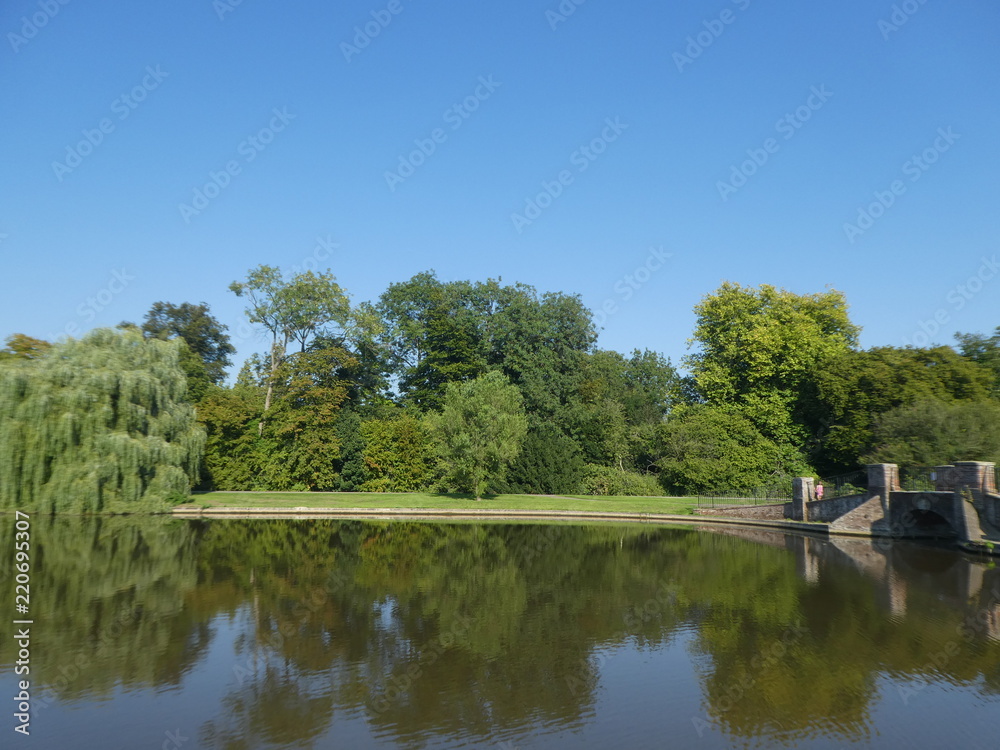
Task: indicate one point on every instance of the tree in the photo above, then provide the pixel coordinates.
(24, 347)
(97, 424)
(350, 464)
(538, 342)
(844, 399)
(233, 451)
(433, 336)
(616, 404)
(707, 448)
(550, 462)
(985, 351)
(443, 332)
(931, 432)
(306, 305)
(299, 446)
(398, 454)
(480, 431)
(758, 348)
(301, 438)
(204, 335)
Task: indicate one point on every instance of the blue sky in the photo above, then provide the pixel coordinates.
(736, 137)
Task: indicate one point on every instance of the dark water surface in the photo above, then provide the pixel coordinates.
(239, 634)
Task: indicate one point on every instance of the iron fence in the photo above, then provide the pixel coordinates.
(842, 485)
(916, 478)
(758, 496)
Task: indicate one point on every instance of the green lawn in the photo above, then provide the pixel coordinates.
(415, 500)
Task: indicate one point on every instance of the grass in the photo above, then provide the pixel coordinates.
(416, 500)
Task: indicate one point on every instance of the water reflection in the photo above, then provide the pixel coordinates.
(282, 633)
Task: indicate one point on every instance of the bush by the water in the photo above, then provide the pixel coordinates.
(606, 480)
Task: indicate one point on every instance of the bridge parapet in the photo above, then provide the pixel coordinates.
(945, 478)
(978, 476)
(882, 479)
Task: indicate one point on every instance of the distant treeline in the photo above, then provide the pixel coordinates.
(475, 387)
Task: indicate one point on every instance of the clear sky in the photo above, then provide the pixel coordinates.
(158, 150)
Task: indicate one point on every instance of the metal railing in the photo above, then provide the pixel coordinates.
(842, 485)
(916, 478)
(758, 496)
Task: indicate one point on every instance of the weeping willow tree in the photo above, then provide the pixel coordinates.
(98, 424)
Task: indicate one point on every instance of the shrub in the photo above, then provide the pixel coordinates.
(605, 480)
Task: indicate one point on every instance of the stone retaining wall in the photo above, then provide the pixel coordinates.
(760, 512)
(991, 506)
(827, 511)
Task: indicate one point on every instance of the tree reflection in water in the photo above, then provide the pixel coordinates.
(478, 631)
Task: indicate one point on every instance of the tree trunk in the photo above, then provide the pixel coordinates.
(270, 380)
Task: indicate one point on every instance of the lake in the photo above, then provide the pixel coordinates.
(237, 634)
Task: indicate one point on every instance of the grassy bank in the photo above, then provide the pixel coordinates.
(416, 500)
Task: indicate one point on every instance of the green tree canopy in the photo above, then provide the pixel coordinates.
(24, 347)
(205, 336)
(758, 348)
(480, 431)
(984, 350)
(846, 397)
(710, 448)
(97, 424)
(298, 309)
(398, 454)
(931, 432)
(550, 462)
(443, 332)
(299, 446)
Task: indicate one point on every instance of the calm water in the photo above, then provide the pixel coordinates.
(238, 634)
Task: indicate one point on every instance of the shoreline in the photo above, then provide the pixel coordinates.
(486, 513)
(403, 514)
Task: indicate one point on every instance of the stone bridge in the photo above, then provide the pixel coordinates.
(963, 505)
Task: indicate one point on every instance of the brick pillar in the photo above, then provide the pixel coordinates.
(883, 479)
(802, 492)
(976, 475)
(944, 478)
